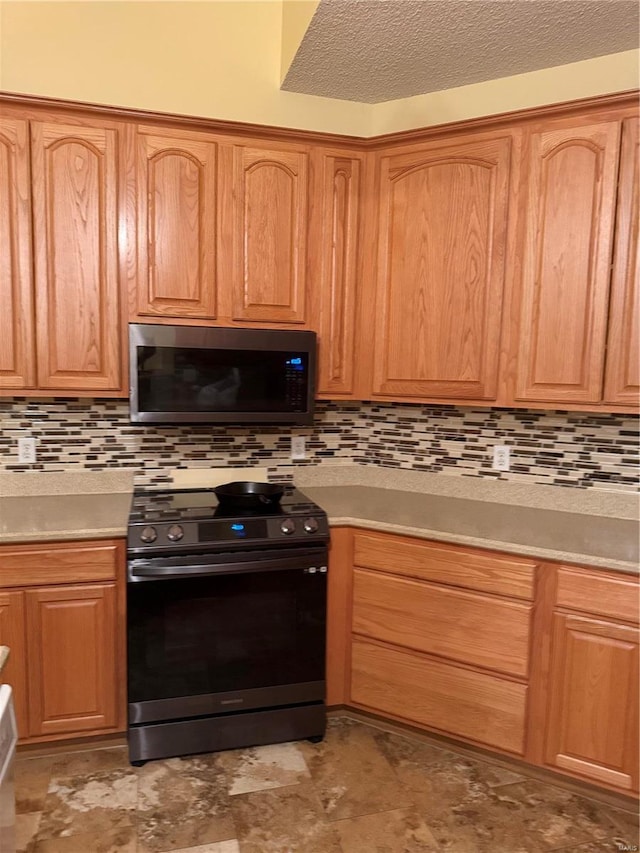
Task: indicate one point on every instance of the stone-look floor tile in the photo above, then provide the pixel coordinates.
(32, 777)
(90, 761)
(283, 820)
(182, 804)
(555, 817)
(455, 796)
(412, 759)
(26, 831)
(609, 845)
(351, 774)
(398, 831)
(218, 847)
(98, 804)
(263, 767)
(121, 840)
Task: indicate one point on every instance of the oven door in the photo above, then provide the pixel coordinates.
(211, 634)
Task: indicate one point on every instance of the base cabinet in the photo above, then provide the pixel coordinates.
(427, 637)
(536, 660)
(66, 663)
(592, 711)
(452, 699)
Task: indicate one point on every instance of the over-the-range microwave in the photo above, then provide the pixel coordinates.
(207, 375)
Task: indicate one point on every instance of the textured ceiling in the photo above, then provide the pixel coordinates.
(380, 50)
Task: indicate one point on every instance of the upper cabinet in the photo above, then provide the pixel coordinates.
(267, 229)
(569, 213)
(75, 232)
(442, 235)
(497, 266)
(176, 227)
(61, 324)
(335, 221)
(17, 353)
(622, 377)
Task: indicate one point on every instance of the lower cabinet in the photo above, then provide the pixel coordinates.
(67, 638)
(539, 661)
(457, 700)
(428, 637)
(592, 710)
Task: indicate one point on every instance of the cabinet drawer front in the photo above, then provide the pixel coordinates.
(485, 571)
(602, 594)
(34, 565)
(475, 629)
(458, 701)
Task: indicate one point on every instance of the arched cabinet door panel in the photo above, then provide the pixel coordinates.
(75, 225)
(269, 235)
(177, 231)
(441, 270)
(333, 266)
(622, 378)
(17, 345)
(569, 219)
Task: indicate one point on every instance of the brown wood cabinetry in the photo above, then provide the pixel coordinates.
(17, 330)
(569, 213)
(62, 329)
(428, 641)
(334, 243)
(592, 692)
(493, 262)
(267, 200)
(177, 234)
(13, 634)
(67, 640)
(75, 233)
(441, 268)
(622, 377)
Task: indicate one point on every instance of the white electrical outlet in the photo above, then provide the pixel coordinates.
(501, 457)
(298, 447)
(27, 450)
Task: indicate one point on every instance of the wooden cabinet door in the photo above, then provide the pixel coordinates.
(269, 234)
(441, 261)
(71, 634)
(592, 727)
(569, 217)
(177, 234)
(333, 248)
(622, 379)
(13, 634)
(75, 230)
(17, 331)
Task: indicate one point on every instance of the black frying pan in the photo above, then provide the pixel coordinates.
(247, 495)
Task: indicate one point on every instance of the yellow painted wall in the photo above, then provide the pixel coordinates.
(216, 59)
(223, 58)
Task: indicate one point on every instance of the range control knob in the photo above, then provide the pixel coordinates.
(288, 526)
(175, 533)
(149, 534)
(311, 525)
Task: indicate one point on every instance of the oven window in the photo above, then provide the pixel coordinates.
(225, 633)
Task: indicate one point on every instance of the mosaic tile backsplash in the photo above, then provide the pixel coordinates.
(566, 448)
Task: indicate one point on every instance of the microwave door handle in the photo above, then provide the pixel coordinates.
(149, 569)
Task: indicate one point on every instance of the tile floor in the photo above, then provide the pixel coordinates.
(360, 791)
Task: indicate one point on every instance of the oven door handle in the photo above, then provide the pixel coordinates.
(149, 569)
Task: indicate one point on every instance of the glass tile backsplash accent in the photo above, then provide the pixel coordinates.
(565, 448)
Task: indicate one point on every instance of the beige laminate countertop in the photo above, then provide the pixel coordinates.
(528, 531)
(57, 507)
(551, 523)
